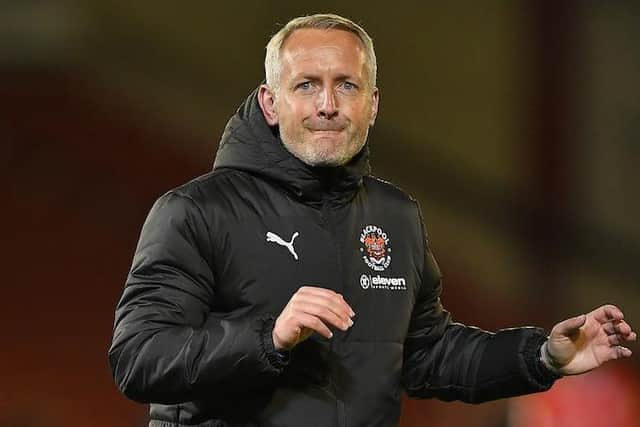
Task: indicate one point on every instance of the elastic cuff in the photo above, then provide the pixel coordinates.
(532, 356)
(547, 360)
(278, 360)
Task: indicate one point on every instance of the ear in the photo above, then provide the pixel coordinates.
(375, 95)
(267, 101)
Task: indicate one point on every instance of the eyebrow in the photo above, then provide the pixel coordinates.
(315, 77)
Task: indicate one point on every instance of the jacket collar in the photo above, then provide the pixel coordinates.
(251, 145)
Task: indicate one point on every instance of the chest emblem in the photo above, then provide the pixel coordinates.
(273, 237)
(375, 248)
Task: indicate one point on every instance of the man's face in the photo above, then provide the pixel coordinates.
(324, 105)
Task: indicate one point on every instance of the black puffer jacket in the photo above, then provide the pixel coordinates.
(215, 265)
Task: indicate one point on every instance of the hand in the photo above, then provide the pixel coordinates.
(310, 310)
(582, 343)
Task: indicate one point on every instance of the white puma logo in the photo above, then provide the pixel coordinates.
(273, 237)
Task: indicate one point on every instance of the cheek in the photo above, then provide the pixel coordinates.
(294, 109)
(289, 122)
(361, 116)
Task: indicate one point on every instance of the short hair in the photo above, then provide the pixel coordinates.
(323, 21)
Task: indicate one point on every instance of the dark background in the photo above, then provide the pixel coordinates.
(516, 125)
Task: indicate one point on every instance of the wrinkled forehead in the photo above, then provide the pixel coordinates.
(317, 47)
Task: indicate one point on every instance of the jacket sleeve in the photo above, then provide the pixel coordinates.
(168, 347)
(451, 361)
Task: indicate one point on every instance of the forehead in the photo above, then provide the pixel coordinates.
(318, 48)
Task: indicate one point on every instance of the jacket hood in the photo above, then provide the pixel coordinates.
(249, 144)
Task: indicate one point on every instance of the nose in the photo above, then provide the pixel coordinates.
(327, 106)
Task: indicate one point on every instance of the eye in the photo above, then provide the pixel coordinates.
(349, 86)
(304, 85)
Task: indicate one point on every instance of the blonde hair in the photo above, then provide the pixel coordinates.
(324, 21)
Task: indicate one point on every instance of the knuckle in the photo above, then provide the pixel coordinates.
(330, 293)
(295, 314)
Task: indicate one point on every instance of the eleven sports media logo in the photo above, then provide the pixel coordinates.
(376, 254)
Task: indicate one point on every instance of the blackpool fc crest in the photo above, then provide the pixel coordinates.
(375, 249)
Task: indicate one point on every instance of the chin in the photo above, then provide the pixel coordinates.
(327, 163)
(329, 160)
(319, 159)
(324, 151)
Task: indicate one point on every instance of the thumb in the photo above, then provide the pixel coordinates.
(569, 326)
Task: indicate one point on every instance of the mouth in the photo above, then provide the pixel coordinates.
(326, 131)
(335, 127)
(328, 136)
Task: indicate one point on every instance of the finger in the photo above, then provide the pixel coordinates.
(631, 336)
(315, 324)
(334, 302)
(606, 313)
(336, 299)
(622, 328)
(323, 312)
(609, 328)
(304, 301)
(619, 327)
(330, 294)
(617, 339)
(569, 326)
(618, 352)
(614, 340)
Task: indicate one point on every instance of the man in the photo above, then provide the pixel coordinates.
(288, 287)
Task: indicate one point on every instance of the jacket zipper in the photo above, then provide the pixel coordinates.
(331, 225)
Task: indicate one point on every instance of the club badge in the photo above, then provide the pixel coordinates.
(375, 249)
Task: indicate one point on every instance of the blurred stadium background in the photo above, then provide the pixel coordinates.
(516, 125)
